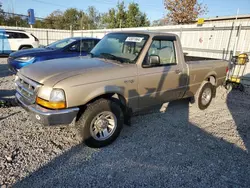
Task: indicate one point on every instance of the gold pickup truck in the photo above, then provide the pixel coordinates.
(126, 72)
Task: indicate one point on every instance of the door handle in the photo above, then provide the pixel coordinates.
(178, 71)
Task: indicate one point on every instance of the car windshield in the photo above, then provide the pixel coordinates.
(123, 47)
(61, 43)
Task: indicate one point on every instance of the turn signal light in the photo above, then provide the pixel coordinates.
(51, 105)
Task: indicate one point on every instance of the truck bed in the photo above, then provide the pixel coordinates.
(199, 68)
(195, 58)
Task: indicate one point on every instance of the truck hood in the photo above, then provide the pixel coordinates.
(53, 71)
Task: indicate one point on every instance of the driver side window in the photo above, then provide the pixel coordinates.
(164, 49)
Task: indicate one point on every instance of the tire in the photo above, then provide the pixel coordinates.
(204, 96)
(25, 47)
(93, 119)
(229, 86)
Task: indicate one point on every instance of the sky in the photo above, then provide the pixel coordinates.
(154, 9)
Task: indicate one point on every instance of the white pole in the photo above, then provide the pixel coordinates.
(236, 38)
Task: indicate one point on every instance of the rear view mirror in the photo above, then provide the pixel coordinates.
(154, 60)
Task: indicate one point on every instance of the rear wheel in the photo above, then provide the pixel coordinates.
(101, 123)
(204, 95)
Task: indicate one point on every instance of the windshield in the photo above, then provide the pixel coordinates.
(124, 47)
(61, 43)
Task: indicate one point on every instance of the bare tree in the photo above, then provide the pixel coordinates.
(184, 11)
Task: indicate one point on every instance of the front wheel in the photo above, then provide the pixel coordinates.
(101, 123)
(204, 95)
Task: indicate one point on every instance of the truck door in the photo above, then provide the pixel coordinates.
(163, 81)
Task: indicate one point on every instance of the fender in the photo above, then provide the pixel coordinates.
(102, 91)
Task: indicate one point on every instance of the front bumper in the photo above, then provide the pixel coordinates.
(48, 117)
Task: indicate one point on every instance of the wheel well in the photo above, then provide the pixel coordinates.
(115, 96)
(29, 46)
(212, 80)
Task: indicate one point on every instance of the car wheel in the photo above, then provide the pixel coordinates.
(204, 95)
(25, 47)
(101, 123)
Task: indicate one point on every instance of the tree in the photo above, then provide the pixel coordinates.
(109, 19)
(135, 18)
(39, 24)
(122, 17)
(54, 20)
(1, 15)
(160, 22)
(94, 18)
(71, 17)
(184, 11)
(17, 21)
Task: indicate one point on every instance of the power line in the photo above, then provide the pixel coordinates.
(49, 3)
(22, 15)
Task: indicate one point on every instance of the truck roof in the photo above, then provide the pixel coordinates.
(150, 33)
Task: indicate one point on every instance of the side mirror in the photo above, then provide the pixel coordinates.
(154, 60)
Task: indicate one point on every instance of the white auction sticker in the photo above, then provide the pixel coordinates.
(134, 39)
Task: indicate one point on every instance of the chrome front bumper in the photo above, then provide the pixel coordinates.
(48, 117)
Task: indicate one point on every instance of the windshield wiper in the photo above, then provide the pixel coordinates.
(112, 57)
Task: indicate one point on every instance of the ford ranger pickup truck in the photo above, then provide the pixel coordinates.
(124, 73)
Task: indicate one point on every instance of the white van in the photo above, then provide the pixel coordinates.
(13, 40)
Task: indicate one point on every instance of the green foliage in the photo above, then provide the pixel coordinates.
(123, 18)
(11, 20)
(116, 17)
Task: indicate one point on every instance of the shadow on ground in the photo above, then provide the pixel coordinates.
(152, 153)
(4, 70)
(237, 100)
(159, 150)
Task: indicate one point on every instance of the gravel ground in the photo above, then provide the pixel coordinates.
(183, 147)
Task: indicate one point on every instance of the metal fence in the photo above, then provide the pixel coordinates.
(217, 40)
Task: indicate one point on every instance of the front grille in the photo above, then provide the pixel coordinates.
(27, 88)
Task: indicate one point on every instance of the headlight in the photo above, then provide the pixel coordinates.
(57, 100)
(25, 59)
(57, 95)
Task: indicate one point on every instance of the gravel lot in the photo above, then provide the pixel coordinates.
(183, 147)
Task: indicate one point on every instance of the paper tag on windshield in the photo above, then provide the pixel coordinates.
(134, 39)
